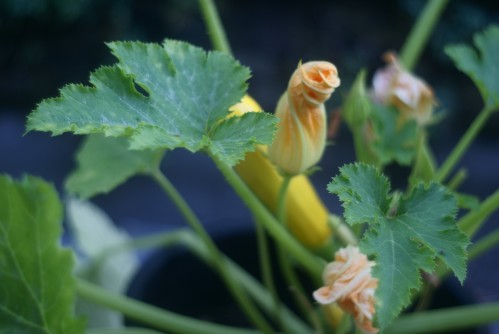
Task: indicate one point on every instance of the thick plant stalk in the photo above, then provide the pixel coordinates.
(187, 238)
(214, 26)
(445, 320)
(307, 217)
(151, 315)
(233, 286)
(420, 32)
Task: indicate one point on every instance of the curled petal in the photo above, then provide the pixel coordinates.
(349, 283)
(314, 82)
(324, 295)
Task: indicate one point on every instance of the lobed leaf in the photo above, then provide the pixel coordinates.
(480, 64)
(363, 192)
(106, 162)
(37, 292)
(160, 97)
(404, 236)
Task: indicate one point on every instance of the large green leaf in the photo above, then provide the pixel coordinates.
(106, 162)
(37, 290)
(183, 101)
(405, 235)
(482, 66)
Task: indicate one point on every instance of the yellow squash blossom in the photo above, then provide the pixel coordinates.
(301, 136)
(306, 214)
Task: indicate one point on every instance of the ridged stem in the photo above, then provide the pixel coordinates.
(214, 26)
(292, 280)
(484, 244)
(311, 263)
(151, 315)
(420, 33)
(266, 270)
(463, 144)
(473, 220)
(127, 330)
(449, 319)
(192, 243)
(234, 287)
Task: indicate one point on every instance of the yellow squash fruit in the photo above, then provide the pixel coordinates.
(333, 314)
(307, 217)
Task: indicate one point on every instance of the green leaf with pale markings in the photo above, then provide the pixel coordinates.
(106, 162)
(37, 290)
(482, 64)
(169, 96)
(405, 235)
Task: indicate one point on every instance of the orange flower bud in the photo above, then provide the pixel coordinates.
(349, 283)
(301, 135)
(394, 86)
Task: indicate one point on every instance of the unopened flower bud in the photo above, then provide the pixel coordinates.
(301, 136)
(394, 86)
(348, 282)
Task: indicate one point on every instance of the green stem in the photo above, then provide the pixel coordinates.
(214, 26)
(472, 221)
(234, 288)
(425, 297)
(463, 144)
(127, 330)
(298, 292)
(457, 179)
(483, 245)
(266, 269)
(342, 230)
(257, 291)
(187, 239)
(281, 199)
(424, 167)
(163, 239)
(151, 315)
(311, 263)
(420, 32)
(449, 319)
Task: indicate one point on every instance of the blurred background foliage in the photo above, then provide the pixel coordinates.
(48, 43)
(45, 44)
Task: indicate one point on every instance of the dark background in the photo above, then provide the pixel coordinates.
(45, 44)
